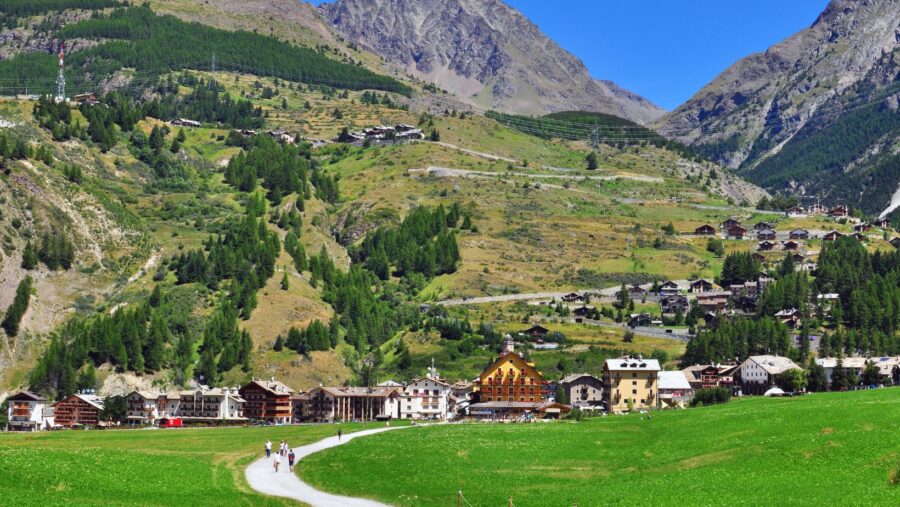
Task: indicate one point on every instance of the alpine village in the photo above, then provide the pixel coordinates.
(410, 252)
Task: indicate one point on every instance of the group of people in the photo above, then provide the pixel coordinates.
(284, 452)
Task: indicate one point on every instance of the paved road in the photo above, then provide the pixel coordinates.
(262, 477)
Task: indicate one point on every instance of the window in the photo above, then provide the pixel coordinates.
(642, 401)
(633, 374)
(634, 391)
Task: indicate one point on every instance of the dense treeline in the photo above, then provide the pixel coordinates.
(244, 254)
(868, 307)
(284, 169)
(737, 339)
(316, 336)
(817, 150)
(17, 309)
(739, 267)
(777, 202)
(789, 292)
(424, 243)
(145, 41)
(23, 8)
(56, 251)
(207, 102)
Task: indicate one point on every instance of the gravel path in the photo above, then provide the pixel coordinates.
(262, 477)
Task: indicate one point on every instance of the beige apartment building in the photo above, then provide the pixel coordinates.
(630, 383)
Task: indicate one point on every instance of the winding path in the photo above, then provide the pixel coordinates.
(262, 478)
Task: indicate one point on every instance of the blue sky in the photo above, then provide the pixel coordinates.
(666, 50)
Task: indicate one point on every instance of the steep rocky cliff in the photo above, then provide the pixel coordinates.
(485, 51)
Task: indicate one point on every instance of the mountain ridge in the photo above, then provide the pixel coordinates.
(486, 52)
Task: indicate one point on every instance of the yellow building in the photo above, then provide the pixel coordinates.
(510, 378)
(631, 383)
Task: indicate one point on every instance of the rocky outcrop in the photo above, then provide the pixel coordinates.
(774, 94)
(485, 52)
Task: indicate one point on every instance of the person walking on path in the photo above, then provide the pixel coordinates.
(277, 462)
(291, 460)
(340, 434)
(268, 448)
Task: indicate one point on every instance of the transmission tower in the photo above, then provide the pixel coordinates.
(595, 136)
(61, 79)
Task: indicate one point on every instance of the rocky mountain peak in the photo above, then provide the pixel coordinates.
(484, 51)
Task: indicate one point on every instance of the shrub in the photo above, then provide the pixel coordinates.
(711, 396)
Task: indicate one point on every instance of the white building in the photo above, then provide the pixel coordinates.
(29, 412)
(427, 398)
(216, 404)
(145, 407)
(854, 364)
(758, 372)
(674, 389)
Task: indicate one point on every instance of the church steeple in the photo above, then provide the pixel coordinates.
(508, 344)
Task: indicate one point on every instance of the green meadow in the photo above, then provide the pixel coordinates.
(188, 467)
(822, 449)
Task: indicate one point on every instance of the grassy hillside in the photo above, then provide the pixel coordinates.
(825, 448)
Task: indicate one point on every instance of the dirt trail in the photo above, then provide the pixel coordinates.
(446, 172)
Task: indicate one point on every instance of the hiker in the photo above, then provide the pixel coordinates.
(281, 448)
(268, 449)
(340, 434)
(277, 462)
(291, 457)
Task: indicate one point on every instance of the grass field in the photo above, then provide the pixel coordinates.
(190, 467)
(825, 449)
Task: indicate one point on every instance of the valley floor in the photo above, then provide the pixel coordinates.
(832, 448)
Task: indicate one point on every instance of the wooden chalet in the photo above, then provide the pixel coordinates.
(862, 227)
(581, 311)
(832, 236)
(760, 258)
(862, 238)
(89, 98)
(882, 223)
(766, 246)
(669, 288)
(640, 320)
(763, 226)
(796, 211)
(790, 245)
(573, 297)
(765, 235)
(536, 331)
(700, 286)
(799, 258)
(736, 232)
(714, 302)
(267, 400)
(731, 222)
(791, 317)
(705, 230)
(839, 211)
(78, 410)
(799, 234)
(674, 304)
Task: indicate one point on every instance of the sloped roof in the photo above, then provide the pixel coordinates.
(272, 386)
(632, 364)
(26, 396)
(673, 380)
(568, 379)
(774, 364)
(91, 399)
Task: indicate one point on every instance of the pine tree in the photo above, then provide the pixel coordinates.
(279, 344)
(592, 163)
(839, 380)
(29, 256)
(285, 283)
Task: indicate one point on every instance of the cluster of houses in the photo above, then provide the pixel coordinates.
(510, 388)
(401, 132)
